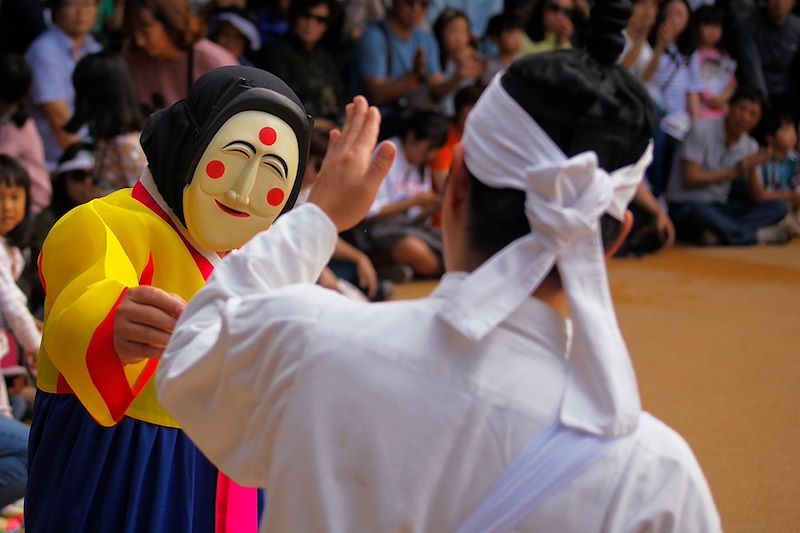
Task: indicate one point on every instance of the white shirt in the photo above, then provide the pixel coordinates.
(379, 417)
(403, 181)
(14, 313)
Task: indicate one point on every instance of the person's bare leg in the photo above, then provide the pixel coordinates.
(415, 253)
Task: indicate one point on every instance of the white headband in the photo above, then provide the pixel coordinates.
(565, 198)
(83, 160)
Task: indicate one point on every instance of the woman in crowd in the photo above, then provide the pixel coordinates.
(166, 51)
(105, 100)
(305, 65)
(667, 77)
(457, 52)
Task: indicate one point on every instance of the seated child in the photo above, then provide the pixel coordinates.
(779, 177)
(349, 267)
(397, 224)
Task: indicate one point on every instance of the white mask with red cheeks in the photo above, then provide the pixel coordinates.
(242, 181)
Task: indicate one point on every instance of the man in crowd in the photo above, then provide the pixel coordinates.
(769, 52)
(714, 155)
(52, 57)
(398, 62)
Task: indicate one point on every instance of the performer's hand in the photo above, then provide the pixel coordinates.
(350, 177)
(143, 323)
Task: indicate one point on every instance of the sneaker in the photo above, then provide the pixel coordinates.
(396, 273)
(772, 235)
(385, 290)
(792, 223)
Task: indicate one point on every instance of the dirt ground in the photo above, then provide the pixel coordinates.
(715, 338)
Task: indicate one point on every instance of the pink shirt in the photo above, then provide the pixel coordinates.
(169, 78)
(25, 146)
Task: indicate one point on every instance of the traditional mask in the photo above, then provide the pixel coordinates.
(229, 159)
(242, 180)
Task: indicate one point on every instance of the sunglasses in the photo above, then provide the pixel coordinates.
(555, 8)
(422, 3)
(316, 18)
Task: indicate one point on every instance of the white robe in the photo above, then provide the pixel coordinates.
(379, 417)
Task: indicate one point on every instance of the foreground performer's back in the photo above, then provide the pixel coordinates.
(479, 408)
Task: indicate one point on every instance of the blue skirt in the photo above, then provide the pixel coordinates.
(132, 477)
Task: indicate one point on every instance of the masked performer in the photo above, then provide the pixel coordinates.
(223, 164)
(479, 408)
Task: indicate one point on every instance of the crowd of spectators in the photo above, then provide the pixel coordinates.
(79, 78)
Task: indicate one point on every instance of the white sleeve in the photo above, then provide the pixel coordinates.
(229, 360)
(14, 307)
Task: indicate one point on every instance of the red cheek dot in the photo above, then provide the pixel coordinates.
(215, 169)
(275, 197)
(267, 136)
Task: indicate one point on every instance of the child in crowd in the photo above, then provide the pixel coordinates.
(105, 100)
(397, 222)
(711, 69)
(349, 266)
(506, 33)
(779, 177)
(17, 324)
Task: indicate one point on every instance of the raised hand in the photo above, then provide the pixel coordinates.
(350, 177)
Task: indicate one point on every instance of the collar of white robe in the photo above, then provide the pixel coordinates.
(565, 198)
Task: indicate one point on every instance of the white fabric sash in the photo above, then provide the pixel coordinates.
(556, 456)
(565, 198)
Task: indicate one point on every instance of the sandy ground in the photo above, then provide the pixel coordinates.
(715, 338)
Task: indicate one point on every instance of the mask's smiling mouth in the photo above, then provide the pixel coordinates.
(230, 211)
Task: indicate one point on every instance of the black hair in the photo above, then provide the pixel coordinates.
(747, 92)
(428, 125)
(12, 174)
(772, 121)
(61, 201)
(17, 79)
(709, 15)
(467, 96)
(174, 139)
(583, 101)
(502, 22)
(56, 4)
(318, 143)
(105, 97)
